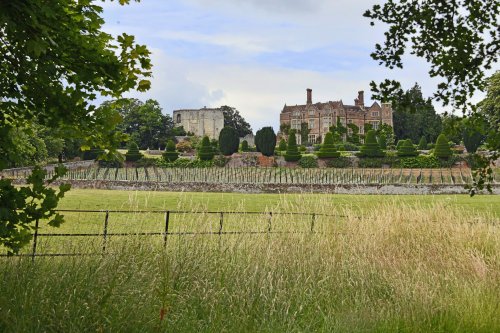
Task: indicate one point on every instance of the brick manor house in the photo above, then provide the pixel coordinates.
(321, 116)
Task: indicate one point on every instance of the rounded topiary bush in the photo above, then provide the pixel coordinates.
(442, 148)
(422, 144)
(244, 145)
(400, 144)
(170, 154)
(328, 149)
(308, 162)
(282, 145)
(292, 152)
(205, 151)
(133, 154)
(371, 147)
(228, 141)
(407, 149)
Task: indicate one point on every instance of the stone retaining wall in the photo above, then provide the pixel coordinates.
(270, 188)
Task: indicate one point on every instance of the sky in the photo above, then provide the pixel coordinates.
(258, 55)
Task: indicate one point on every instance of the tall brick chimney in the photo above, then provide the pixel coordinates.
(361, 98)
(309, 96)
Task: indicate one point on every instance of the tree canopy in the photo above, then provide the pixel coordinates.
(144, 122)
(56, 61)
(414, 116)
(232, 118)
(459, 40)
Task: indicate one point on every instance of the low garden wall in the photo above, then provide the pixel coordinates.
(272, 188)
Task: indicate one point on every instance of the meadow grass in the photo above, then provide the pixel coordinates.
(382, 265)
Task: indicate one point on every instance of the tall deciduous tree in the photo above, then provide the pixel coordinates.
(144, 122)
(55, 61)
(232, 118)
(459, 40)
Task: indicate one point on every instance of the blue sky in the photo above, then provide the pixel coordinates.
(257, 55)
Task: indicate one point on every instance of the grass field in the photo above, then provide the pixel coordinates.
(104, 199)
(385, 264)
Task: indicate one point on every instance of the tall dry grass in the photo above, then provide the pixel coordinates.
(400, 268)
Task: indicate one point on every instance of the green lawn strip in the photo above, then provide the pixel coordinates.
(147, 200)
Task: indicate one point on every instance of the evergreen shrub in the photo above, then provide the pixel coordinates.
(371, 148)
(442, 147)
(340, 162)
(422, 144)
(292, 153)
(407, 149)
(382, 141)
(92, 154)
(205, 151)
(244, 145)
(170, 154)
(282, 145)
(133, 154)
(228, 141)
(308, 162)
(265, 141)
(327, 149)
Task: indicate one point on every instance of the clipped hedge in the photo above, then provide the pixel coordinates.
(244, 145)
(308, 162)
(442, 147)
(422, 144)
(185, 163)
(292, 152)
(282, 145)
(92, 154)
(170, 154)
(407, 149)
(205, 151)
(327, 149)
(133, 154)
(339, 162)
(371, 147)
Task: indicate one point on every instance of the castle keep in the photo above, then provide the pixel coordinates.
(200, 122)
(320, 117)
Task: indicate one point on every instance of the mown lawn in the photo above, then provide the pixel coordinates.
(104, 199)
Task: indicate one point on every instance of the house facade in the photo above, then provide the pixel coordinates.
(200, 122)
(319, 117)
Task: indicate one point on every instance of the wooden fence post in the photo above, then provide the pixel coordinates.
(105, 232)
(35, 238)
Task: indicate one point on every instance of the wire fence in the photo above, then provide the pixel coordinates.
(267, 175)
(207, 223)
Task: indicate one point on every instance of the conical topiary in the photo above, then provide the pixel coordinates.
(382, 141)
(170, 154)
(205, 151)
(422, 144)
(327, 149)
(371, 147)
(442, 148)
(244, 145)
(282, 145)
(292, 153)
(133, 154)
(399, 144)
(407, 149)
